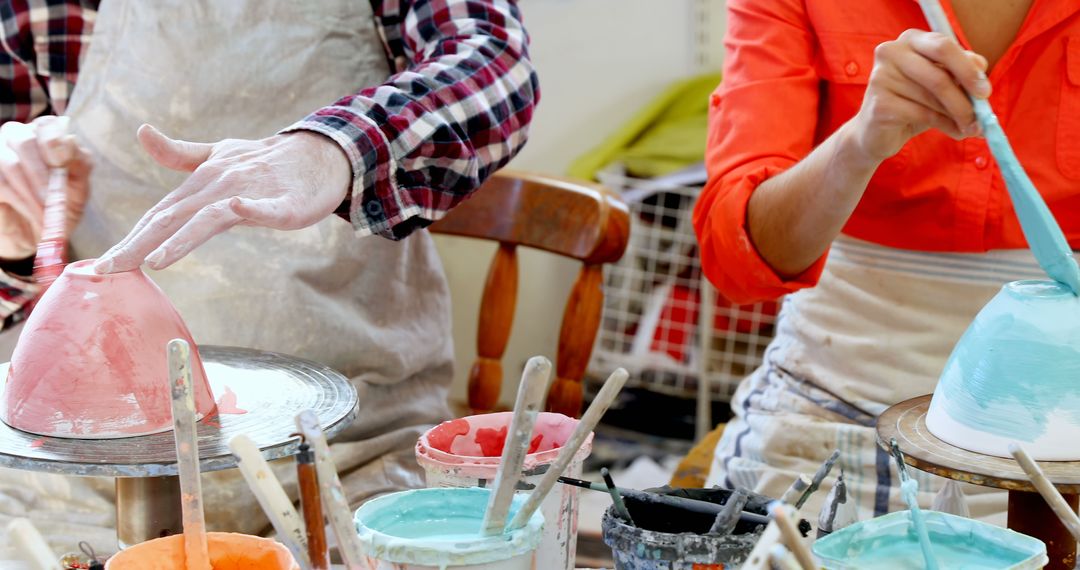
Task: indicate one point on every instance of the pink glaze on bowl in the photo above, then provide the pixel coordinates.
(91, 361)
(228, 551)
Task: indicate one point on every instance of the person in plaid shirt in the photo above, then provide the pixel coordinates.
(387, 113)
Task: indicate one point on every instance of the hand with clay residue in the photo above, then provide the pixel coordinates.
(286, 182)
(27, 151)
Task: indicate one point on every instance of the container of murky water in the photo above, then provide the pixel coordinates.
(228, 551)
(437, 529)
(665, 538)
(889, 542)
(466, 452)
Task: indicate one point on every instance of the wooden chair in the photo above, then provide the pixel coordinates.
(570, 218)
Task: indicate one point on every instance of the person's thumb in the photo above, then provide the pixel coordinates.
(174, 154)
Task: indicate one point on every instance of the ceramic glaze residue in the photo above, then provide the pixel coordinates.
(226, 404)
(910, 491)
(440, 527)
(887, 543)
(1017, 364)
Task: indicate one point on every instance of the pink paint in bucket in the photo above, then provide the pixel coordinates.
(228, 551)
(437, 529)
(465, 453)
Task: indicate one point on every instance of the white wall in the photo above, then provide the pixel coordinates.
(599, 62)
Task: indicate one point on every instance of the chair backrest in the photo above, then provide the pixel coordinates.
(570, 218)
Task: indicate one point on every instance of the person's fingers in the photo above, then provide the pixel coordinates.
(173, 154)
(953, 58)
(56, 144)
(978, 60)
(22, 139)
(29, 208)
(918, 114)
(15, 177)
(207, 223)
(277, 213)
(938, 82)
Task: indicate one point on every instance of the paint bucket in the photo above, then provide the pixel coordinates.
(889, 542)
(466, 452)
(228, 551)
(435, 529)
(670, 539)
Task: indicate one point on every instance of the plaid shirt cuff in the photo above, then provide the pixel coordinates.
(376, 205)
(15, 294)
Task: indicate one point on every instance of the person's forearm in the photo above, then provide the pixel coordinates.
(794, 216)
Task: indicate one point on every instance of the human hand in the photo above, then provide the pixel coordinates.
(27, 151)
(285, 182)
(919, 81)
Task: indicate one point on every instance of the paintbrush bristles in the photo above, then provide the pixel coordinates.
(187, 456)
(530, 396)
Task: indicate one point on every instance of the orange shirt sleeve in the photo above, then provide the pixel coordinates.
(762, 120)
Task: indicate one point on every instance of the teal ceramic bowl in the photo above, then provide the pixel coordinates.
(1014, 376)
(889, 542)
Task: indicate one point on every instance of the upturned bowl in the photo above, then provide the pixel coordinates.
(91, 362)
(1014, 376)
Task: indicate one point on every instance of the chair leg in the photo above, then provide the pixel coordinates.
(493, 332)
(581, 320)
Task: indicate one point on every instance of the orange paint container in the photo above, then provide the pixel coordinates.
(228, 551)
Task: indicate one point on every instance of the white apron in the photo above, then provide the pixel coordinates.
(876, 330)
(377, 310)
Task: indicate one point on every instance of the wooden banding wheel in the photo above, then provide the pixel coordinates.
(1028, 512)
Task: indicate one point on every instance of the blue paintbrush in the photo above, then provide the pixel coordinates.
(1042, 231)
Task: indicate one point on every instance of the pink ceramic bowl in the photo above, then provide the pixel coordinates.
(91, 361)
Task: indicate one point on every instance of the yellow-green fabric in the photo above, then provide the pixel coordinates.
(666, 136)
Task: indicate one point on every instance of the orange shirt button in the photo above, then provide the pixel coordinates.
(851, 68)
(981, 162)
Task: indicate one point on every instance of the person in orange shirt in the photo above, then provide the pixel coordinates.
(847, 171)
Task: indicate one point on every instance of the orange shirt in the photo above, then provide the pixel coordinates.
(796, 70)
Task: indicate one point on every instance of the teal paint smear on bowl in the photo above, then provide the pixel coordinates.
(889, 543)
(1018, 363)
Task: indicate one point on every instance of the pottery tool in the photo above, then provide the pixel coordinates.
(795, 492)
(728, 517)
(616, 498)
(335, 504)
(187, 455)
(1042, 231)
(51, 251)
(531, 392)
(691, 505)
(760, 557)
(781, 516)
(271, 496)
(1049, 493)
(32, 545)
(837, 512)
(311, 504)
(585, 426)
(909, 489)
(819, 477)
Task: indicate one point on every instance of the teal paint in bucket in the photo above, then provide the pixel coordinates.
(889, 542)
(428, 529)
(466, 452)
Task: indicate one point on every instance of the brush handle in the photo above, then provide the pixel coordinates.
(781, 515)
(1049, 493)
(531, 392)
(335, 504)
(187, 455)
(271, 496)
(31, 545)
(585, 426)
(311, 504)
(796, 490)
(692, 505)
(819, 477)
(1041, 230)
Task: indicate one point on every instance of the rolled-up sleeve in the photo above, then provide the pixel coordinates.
(762, 120)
